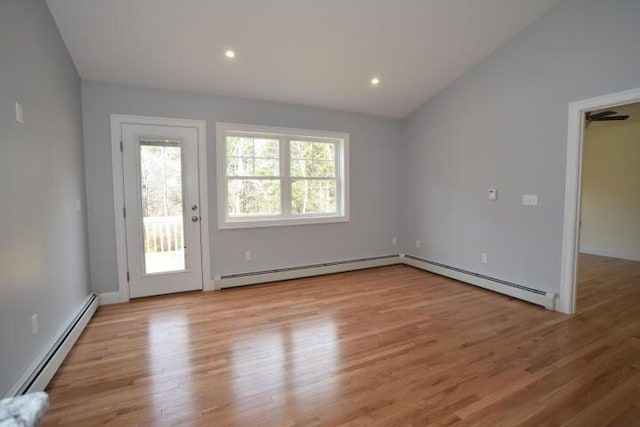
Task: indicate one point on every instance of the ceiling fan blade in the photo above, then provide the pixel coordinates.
(597, 116)
(611, 118)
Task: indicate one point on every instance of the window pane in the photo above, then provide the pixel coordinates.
(162, 208)
(313, 159)
(240, 166)
(239, 146)
(313, 168)
(252, 156)
(266, 148)
(313, 150)
(253, 197)
(267, 167)
(313, 196)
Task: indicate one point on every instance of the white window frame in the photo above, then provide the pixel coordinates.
(284, 135)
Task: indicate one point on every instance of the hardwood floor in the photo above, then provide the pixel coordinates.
(387, 346)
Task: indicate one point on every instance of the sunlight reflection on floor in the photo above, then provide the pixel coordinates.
(285, 360)
(169, 339)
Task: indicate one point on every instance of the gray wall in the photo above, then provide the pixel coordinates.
(374, 166)
(43, 240)
(504, 124)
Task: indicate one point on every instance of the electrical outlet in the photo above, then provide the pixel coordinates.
(248, 256)
(484, 258)
(530, 199)
(418, 244)
(394, 241)
(34, 324)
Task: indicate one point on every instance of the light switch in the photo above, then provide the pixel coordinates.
(34, 324)
(19, 113)
(530, 199)
(493, 194)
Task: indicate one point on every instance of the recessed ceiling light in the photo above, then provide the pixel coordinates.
(375, 81)
(230, 54)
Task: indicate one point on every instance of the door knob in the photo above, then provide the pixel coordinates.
(194, 207)
(195, 218)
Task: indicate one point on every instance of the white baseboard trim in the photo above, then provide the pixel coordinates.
(545, 299)
(609, 253)
(106, 298)
(303, 271)
(46, 365)
(209, 286)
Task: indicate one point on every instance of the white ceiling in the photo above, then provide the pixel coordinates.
(311, 52)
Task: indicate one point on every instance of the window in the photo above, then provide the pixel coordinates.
(278, 176)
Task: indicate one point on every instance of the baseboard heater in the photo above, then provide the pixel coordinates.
(535, 296)
(257, 277)
(38, 376)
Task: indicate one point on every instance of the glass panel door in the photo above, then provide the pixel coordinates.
(162, 209)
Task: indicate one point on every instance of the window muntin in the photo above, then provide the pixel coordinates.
(276, 176)
(313, 177)
(253, 176)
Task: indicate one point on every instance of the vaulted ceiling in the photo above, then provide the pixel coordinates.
(310, 52)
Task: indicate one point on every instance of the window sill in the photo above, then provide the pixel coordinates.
(280, 222)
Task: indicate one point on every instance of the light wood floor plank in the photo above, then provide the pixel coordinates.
(386, 346)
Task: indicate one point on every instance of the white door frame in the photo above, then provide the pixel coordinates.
(117, 120)
(573, 184)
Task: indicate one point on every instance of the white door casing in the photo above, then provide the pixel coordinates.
(573, 185)
(135, 276)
